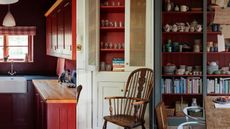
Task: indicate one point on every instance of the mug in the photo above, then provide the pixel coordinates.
(184, 8)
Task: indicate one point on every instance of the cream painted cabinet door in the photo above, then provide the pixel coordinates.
(138, 45)
(107, 89)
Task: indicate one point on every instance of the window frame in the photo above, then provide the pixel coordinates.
(6, 50)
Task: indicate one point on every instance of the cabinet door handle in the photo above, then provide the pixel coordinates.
(66, 4)
(70, 47)
(127, 63)
(122, 90)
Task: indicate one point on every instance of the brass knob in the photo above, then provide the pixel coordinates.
(79, 47)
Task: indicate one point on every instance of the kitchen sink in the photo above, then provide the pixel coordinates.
(13, 85)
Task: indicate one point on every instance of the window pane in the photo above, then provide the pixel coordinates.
(1, 40)
(1, 52)
(18, 40)
(17, 52)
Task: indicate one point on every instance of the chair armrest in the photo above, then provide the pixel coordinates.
(140, 102)
(115, 97)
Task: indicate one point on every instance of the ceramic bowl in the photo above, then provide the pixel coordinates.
(168, 69)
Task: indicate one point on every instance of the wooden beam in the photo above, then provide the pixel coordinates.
(53, 7)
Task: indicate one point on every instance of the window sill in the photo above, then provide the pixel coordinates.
(15, 61)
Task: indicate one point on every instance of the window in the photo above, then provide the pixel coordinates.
(16, 44)
(17, 48)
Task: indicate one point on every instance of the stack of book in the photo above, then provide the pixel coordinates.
(182, 86)
(118, 64)
(218, 86)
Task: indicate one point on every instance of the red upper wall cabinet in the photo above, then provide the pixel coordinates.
(61, 29)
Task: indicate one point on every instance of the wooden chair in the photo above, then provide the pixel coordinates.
(162, 120)
(79, 88)
(128, 111)
(161, 116)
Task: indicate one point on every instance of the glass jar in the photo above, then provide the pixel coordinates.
(196, 47)
(194, 103)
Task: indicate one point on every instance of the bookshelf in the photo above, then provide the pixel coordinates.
(210, 84)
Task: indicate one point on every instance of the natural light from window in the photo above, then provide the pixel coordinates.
(17, 48)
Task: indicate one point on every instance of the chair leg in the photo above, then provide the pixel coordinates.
(143, 126)
(105, 124)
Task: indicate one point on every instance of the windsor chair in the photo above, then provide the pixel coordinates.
(128, 111)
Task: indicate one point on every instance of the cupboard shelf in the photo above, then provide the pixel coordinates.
(112, 50)
(213, 33)
(183, 94)
(165, 75)
(179, 53)
(217, 53)
(212, 94)
(218, 75)
(182, 13)
(112, 9)
(183, 33)
(112, 28)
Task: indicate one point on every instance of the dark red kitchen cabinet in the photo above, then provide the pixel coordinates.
(63, 29)
(17, 110)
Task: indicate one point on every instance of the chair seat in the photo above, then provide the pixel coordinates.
(124, 120)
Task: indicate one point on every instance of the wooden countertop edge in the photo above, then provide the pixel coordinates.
(53, 7)
(52, 100)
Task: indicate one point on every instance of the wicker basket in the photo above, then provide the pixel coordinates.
(170, 111)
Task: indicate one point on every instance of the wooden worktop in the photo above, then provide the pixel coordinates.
(53, 92)
(216, 118)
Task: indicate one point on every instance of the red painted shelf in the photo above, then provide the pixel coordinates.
(183, 94)
(181, 53)
(179, 33)
(213, 94)
(112, 9)
(217, 53)
(112, 28)
(112, 50)
(210, 33)
(165, 75)
(218, 75)
(182, 13)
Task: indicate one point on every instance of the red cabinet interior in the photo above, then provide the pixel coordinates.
(112, 33)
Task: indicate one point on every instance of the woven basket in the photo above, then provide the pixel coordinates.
(170, 111)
